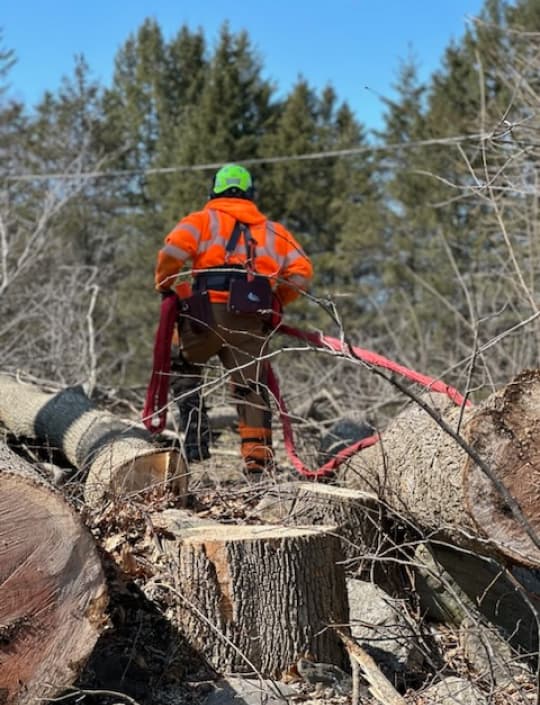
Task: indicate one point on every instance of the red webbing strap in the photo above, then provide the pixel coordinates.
(157, 393)
(324, 341)
(329, 467)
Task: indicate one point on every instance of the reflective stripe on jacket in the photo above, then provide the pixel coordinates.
(201, 237)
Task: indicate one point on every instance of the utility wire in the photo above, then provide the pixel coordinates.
(253, 161)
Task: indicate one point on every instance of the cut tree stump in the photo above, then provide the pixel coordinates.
(254, 599)
(114, 457)
(422, 473)
(357, 516)
(52, 588)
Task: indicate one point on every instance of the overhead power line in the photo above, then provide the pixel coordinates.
(104, 174)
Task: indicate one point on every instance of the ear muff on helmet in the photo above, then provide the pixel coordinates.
(232, 180)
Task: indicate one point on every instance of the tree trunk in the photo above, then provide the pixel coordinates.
(453, 585)
(52, 588)
(421, 472)
(113, 456)
(254, 599)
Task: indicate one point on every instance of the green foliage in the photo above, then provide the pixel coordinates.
(408, 229)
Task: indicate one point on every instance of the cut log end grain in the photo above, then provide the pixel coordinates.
(52, 588)
(506, 434)
(115, 457)
(121, 471)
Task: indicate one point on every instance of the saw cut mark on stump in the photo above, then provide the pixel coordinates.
(52, 588)
(267, 595)
(357, 516)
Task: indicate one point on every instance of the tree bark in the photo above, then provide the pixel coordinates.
(421, 472)
(254, 599)
(52, 588)
(113, 456)
(453, 585)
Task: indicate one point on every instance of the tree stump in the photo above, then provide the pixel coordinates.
(253, 599)
(357, 516)
(421, 471)
(52, 588)
(114, 457)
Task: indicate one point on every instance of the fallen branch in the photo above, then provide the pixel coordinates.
(379, 685)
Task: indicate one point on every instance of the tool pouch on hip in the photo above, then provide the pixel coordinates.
(250, 297)
(197, 309)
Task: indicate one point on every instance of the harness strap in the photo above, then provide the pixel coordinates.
(232, 242)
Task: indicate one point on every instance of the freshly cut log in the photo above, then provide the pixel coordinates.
(52, 588)
(421, 471)
(254, 599)
(114, 457)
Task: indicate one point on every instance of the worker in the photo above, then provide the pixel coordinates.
(244, 270)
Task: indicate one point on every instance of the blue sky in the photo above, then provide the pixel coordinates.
(356, 45)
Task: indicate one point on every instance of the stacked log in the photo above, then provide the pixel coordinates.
(423, 473)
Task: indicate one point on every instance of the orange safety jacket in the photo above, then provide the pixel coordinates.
(202, 238)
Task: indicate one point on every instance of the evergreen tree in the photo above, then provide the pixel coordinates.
(225, 123)
(358, 218)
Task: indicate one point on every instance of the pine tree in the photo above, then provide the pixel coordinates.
(225, 123)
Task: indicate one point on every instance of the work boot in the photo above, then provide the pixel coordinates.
(196, 427)
(258, 469)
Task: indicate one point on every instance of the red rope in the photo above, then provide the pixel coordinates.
(288, 437)
(155, 405)
(324, 341)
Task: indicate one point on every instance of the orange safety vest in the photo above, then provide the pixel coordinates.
(202, 238)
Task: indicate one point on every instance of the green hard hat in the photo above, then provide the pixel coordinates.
(232, 176)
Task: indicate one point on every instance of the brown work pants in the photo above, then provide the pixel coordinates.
(240, 342)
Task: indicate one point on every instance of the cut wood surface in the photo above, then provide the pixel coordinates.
(254, 599)
(421, 472)
(52, 588)
(357, 515)
(112, 455)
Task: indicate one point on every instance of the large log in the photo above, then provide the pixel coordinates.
(254, 599)
(52, 588)
(114, 457)
(423, 473)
